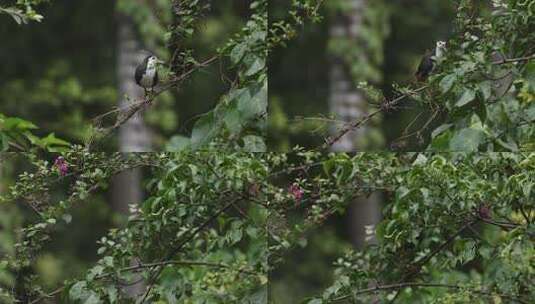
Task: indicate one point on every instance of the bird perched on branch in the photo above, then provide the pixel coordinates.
(429, 62)
(147, 74)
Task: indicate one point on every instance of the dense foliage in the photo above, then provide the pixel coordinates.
(218, 222)
(454, 222)
(201, 229)
(457, 228)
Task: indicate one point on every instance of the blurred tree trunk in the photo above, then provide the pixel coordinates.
(134, 135)
(348, 104)
(345, 101)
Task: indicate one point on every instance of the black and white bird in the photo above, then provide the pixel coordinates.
(429, 62)
(147, 74)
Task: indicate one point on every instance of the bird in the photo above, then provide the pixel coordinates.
(429, 62)
(146, 73)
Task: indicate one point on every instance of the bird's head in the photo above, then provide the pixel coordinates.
(441, 48)
(152, 61)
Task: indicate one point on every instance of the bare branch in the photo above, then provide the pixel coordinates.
(387, 105)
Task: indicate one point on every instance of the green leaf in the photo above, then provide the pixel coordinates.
(530, 112)
(94, 272)
(52, 141)
(16, 14)
(112, 294)
(13, 123)
(485, 88)
(253, 143)
(4, 140)
(232, 119)
(237, 53)
(178, 143)
(447, 82)
(79, 291)
(255, 64)
(467, 140)
(93, 299)
(510, 145)
(481, 111)
(466, 98)
(202, 130)
(252, 102)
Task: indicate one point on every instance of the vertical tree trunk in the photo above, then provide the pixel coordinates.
(346, 102)
(349, 104)
(134, 135)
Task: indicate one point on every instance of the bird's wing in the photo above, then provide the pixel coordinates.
(139, 74)
(425, 67)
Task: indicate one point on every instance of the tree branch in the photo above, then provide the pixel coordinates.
(418, 266)
(128, 112)
(511, 60)
(172, 262)
(399, 286)
(386, 106)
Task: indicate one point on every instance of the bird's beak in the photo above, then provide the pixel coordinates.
(160, 61)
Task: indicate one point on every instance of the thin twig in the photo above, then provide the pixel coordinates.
(173, 262)
(49, 295)
(358, 123)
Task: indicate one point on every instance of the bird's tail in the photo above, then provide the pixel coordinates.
(419, 77)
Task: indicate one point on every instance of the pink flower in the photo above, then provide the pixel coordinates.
(296, 191)
(61, 165)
